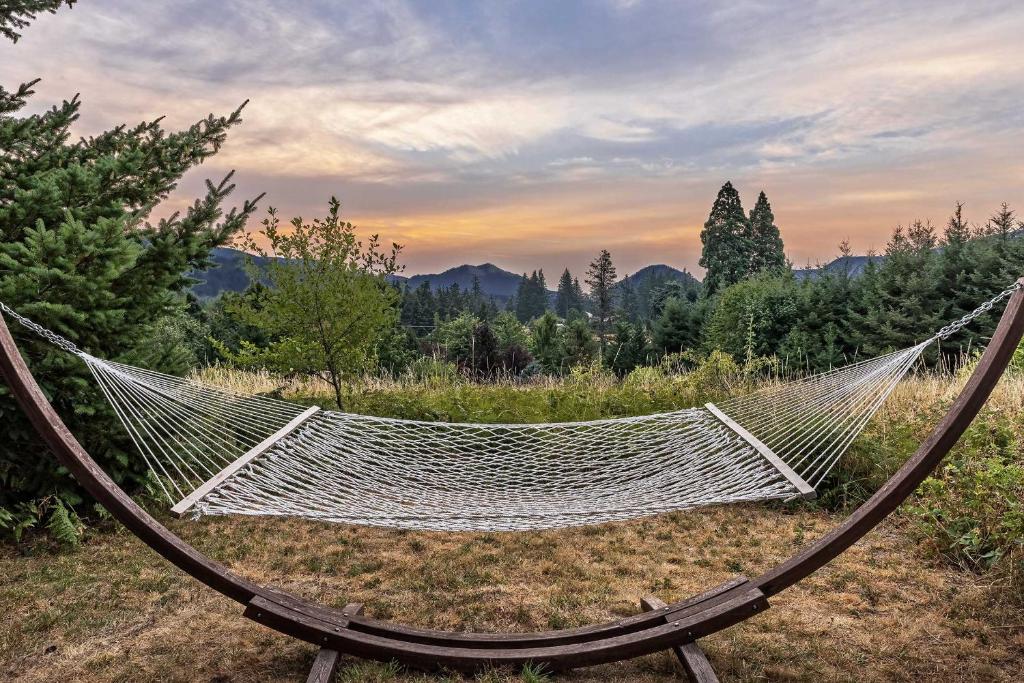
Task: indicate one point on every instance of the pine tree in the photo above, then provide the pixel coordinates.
(601, 278)
(546, 344)
(678, 327)
(767, 249)
(565, 299)
(727, 242)
(579, 347)
(629, 303)
(628, 350)
(78, 256)
(18, 14)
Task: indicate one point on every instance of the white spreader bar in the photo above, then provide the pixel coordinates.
(191, 499)
(806, 490)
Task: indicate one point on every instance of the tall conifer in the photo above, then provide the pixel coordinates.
(727, 242)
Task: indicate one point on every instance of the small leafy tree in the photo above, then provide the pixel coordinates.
(327, 302)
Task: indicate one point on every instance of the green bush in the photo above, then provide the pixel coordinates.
(971, 512)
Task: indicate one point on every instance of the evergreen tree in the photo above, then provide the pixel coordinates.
(565, 300)
(628, 350)
(629, 303)
(522, 300)
(419, 308)
(531, 296)
(601, 278)
(727, 242)
(16, 15)
(546, 344)
(578, 343)
(767, 249)
(678, 327)
(578, 297)
(78, 256)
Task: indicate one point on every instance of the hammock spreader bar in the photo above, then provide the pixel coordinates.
(806, 490)
(182, 506)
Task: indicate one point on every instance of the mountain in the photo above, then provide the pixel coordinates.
(494, 281)
(657, 273)
(853, 265)
(228, 274)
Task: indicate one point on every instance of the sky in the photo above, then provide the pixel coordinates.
(536, 133)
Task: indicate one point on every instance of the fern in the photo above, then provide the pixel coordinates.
(64, 524)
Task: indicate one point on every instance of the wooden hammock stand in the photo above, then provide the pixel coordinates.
(677, 626)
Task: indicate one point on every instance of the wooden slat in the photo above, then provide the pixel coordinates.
(805, 489)
(690, 655)
(740, 604)
(324, 666)
(183, 505)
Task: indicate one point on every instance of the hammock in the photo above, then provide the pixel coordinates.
(215, 452)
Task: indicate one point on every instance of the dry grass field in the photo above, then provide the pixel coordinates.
(893, 608)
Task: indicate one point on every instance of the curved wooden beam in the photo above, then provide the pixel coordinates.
(632, 636)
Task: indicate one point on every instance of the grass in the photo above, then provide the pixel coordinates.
(898, 606)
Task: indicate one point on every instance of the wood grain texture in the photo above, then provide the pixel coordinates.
(324, 666)
(695, 663)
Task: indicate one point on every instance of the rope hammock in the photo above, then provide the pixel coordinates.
(215, 452)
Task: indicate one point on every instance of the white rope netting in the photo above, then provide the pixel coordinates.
(216, 452)
(359, 469)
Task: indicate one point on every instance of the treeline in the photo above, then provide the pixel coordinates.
(752, 305)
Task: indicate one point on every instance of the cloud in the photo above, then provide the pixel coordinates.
(453, 117)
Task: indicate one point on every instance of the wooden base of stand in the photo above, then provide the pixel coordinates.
(691, 656)
(325, 666)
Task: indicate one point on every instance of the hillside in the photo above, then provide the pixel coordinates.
(657, 273)
(229, 275)
(494, 281)
(853, 265)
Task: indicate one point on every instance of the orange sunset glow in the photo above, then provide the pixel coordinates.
(535, 134)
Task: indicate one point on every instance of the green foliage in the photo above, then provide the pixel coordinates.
(64, 524)
(727, 240)
(756, 317)
(77, 256)
(601, 279)
(578, 344)
(532, 296)
(509, 331)
(972, 511)
(327, 303)
(18, 14)
(679, 326)
(546, 343)
(766, 248)
(628, 349)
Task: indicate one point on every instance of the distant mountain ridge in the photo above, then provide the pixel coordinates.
(852, 265)
(228, 274)
(657, 272)
(494, 281)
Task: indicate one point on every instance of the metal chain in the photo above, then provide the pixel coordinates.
(49, 335)
(954, 327)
